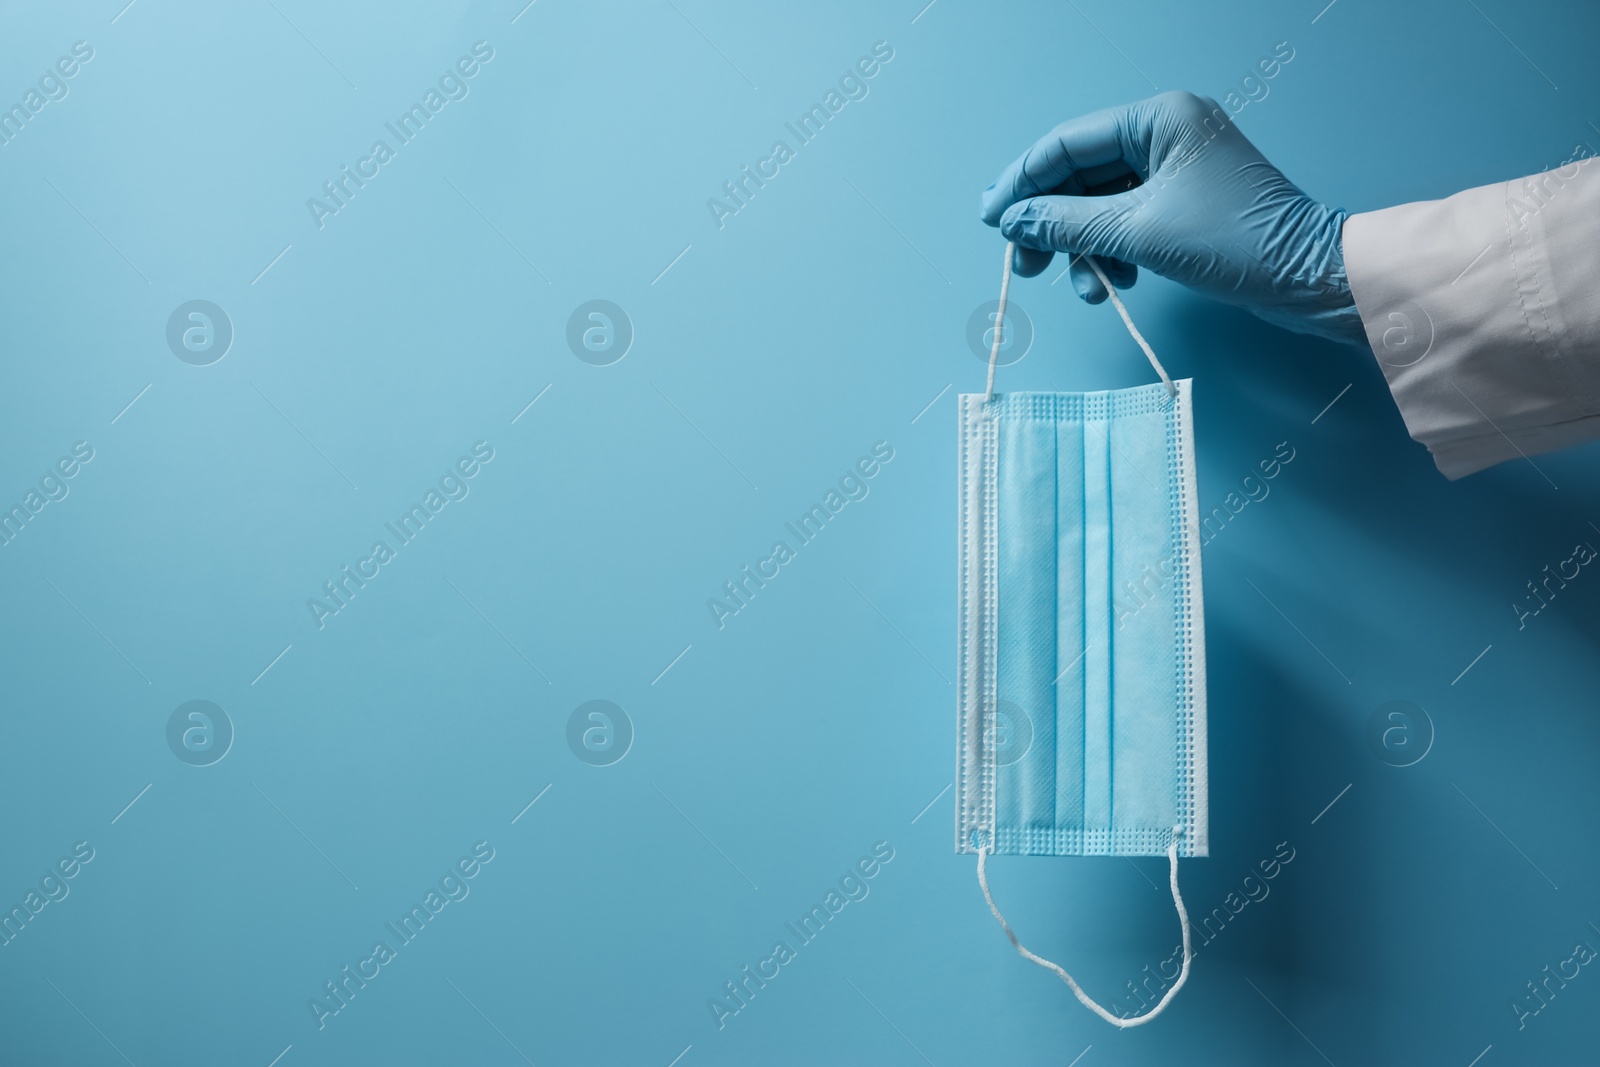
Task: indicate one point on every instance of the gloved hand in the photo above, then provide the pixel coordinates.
(1170, 184)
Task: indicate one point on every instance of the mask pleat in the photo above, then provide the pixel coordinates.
(1097, 695)
(1026, 539)
(1143, 669)
(1070, 659)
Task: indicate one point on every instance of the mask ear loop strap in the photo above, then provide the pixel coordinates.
(1083, 998)
(1116, 302)
(999, 321)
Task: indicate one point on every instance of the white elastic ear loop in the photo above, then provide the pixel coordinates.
(1083, 998)
(999, 321)
(1116, 302)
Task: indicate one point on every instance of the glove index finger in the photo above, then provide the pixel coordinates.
(1088, 225)
(1089, 147)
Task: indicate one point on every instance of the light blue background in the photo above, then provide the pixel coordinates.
(775, 752)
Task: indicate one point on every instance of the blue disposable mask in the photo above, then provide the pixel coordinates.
(1081, 690)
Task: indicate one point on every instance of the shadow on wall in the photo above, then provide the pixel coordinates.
(1401, 577)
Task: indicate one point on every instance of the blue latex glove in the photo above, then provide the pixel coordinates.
(1170, 184)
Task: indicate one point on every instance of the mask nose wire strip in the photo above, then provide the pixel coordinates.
(1116, 302)
(1123, 1024)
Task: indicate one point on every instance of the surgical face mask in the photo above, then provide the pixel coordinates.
(1081, 692)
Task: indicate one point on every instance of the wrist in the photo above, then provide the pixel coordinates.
(1342, 321)
(1329, 311)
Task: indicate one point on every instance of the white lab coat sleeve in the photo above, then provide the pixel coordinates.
(1483, 310)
